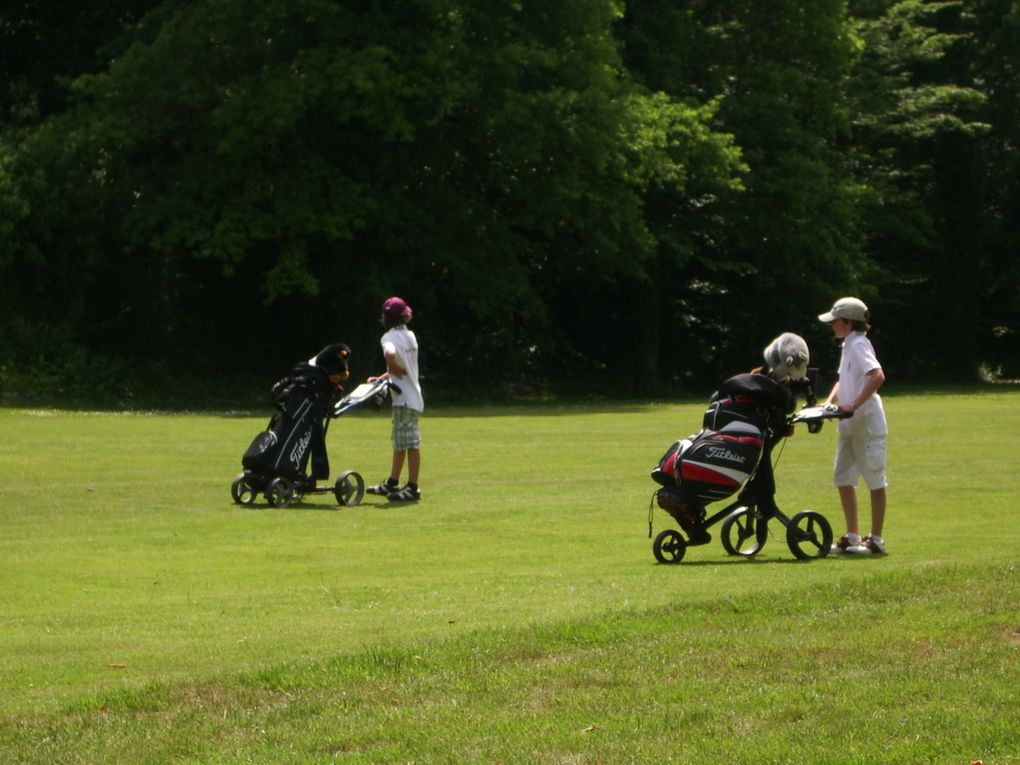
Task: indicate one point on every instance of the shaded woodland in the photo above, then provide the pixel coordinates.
(576, 197)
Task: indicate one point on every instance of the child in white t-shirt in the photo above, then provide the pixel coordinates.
(860, 451)
(400, 350)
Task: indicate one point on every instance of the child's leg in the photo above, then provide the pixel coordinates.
(874, 470)
(407, 437)
(413, 465)
(848, 498)
(877, 511)
(845, 475)
(397, 465)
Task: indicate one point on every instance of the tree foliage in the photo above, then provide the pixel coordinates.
(918, 131)
(577, 194)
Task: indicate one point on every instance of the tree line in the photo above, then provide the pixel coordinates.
(586, 195)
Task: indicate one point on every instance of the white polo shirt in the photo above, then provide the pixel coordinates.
(858, 358)
(401, 341)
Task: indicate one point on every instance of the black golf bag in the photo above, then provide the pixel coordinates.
(296, 434)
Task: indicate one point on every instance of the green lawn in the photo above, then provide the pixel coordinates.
(515, 615)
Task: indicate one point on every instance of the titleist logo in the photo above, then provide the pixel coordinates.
(721, 453)
(299, 448)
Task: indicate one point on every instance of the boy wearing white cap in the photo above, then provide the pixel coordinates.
(860, 451)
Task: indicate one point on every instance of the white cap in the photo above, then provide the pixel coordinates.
(846, 308)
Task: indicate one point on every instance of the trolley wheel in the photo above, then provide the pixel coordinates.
(809, 535)
(242, 491)
(743, 533)
(280, 492)
(669, 547)
(349, 489)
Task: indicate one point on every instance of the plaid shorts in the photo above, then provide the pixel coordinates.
(406, 433)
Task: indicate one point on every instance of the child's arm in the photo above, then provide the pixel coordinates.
(833, 395)
(393, 368)
(875, 379)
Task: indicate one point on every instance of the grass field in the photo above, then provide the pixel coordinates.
(515, 615)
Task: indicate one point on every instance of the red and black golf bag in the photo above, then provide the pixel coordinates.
(744, 420)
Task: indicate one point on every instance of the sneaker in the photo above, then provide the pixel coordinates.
(407, 494)
(385, 488)
(843, 545)
(870, 546)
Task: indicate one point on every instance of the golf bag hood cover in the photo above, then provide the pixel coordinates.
(333, 359)
(788, 356)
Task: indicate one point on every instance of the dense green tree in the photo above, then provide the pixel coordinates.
(916, 136)
(313, 156)
(579, 194)
(993, 53)
(760, 261)
(45, 44)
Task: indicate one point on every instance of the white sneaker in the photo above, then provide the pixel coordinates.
(407, 494)
(843, 545)
(385, 488)
(872, 546)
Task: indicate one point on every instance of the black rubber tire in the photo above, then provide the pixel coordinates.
(669, 546)
(241, 491)
(349, 489)
(743, 533)
(809, 535)
(280, 492)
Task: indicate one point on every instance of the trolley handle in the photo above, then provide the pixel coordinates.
(815, 416)
(367, 391)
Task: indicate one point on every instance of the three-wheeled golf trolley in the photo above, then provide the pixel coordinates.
(736, 455)
(275, 464)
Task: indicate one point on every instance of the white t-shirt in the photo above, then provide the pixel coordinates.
(401, 341)
(858, 358)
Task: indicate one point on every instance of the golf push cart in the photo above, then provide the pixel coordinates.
(716, 463)
(275, 463)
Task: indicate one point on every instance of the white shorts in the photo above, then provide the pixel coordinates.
(860, 456)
